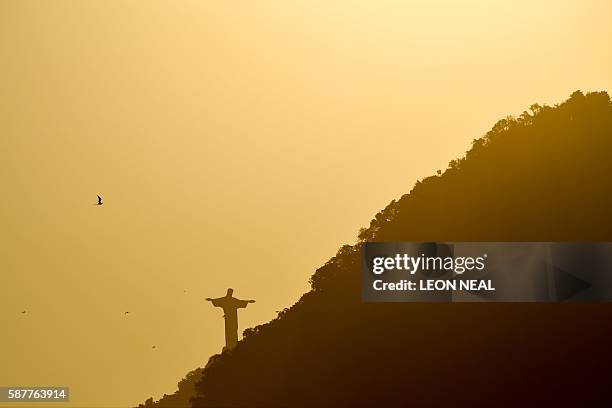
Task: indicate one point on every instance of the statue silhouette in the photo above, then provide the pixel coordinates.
(230, 306)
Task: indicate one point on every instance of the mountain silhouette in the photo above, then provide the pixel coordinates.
(542, 176)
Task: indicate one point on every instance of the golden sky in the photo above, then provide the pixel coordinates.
(236, 144)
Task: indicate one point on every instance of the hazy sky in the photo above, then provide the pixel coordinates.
(235, 144)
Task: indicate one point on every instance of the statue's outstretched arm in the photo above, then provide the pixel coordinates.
(218, 302)
(242, 303)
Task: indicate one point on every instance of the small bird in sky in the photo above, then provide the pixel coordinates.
(99, 200)
(152, 347)
(126, 313)
(23, 312)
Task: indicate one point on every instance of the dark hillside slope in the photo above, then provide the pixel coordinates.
(545, 176)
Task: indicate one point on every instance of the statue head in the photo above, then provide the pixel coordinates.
(230, 291)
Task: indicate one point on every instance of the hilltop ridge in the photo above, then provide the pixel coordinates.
(541, 176)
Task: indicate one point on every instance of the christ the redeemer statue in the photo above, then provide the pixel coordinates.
(230, 306)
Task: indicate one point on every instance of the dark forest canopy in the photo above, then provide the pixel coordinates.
(542, 176)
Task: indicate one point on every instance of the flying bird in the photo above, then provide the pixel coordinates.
(99, 200)
(152, 347)
(24, 312)
(126, 313)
